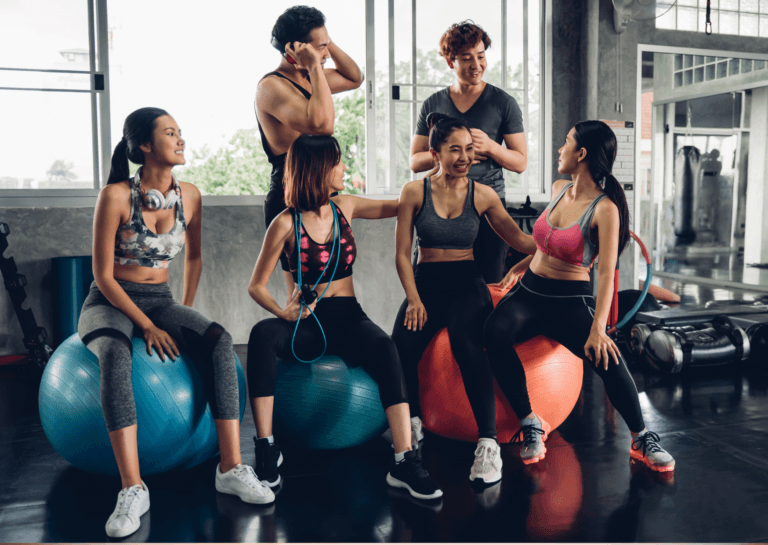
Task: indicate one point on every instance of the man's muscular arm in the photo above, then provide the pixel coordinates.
(347, 75)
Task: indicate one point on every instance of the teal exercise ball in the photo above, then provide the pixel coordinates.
(175, 431)
(326, 404)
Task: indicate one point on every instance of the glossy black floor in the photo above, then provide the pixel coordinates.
(715, 424)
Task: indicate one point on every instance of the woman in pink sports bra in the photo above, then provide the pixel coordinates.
(554, 296)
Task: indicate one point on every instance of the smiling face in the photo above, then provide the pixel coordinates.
(167, 146)
(319, 39)
(470, 64)
(456, 154)
(571, 155)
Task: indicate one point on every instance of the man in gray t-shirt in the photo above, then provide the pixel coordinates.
(496, 124)
(495, 113)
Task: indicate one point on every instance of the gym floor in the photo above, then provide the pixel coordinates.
(715, 423)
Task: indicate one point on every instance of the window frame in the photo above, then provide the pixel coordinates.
(101, 127)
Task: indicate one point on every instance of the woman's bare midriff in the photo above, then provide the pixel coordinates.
(434, 255)
(338, 288)
(140, 275)
(557, 269)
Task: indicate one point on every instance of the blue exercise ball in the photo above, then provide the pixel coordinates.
(327, 404)
(176, 429)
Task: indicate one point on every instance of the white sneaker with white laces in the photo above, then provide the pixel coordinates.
(132, 502)
(417, 435)
(487, 466)
(242, 481)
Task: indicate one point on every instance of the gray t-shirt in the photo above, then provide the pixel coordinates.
(495, 113)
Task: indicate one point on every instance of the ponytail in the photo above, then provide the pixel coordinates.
(615, 192)
(119, 170)
(138, 129)
(600, 142)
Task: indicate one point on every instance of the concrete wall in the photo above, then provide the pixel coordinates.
(232, 238)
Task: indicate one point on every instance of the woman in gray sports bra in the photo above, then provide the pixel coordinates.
(140, 224)
(446, 289)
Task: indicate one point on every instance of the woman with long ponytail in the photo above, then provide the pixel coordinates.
(554, 296)
(141, 222)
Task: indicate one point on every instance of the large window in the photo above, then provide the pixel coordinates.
(72, 70)
(740, 17)
(51, 100)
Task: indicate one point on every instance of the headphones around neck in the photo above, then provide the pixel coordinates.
(154, 200)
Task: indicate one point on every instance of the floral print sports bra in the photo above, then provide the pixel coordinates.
(136, 245)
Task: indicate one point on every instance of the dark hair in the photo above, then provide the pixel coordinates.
(307, 171)
(461, 36)
(294, 25)
(138, 129)
(441, 127)
(600, 142)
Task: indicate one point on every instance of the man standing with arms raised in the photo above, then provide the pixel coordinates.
(296, 98)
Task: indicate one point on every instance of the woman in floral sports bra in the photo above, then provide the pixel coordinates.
(141, 222)
(554, 297)
(319, 225)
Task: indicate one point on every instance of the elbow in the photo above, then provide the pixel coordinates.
(322, 127)
(359, 81)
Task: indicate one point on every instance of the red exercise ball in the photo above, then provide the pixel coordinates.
(553, 375)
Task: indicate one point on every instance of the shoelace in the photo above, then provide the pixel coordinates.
(244, 472)
(484, 456)
(412, 466)
(126, 503)
(528, 434)
(648, 441)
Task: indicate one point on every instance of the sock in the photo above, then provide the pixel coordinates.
(399, 456)
(271, 439)
(489, 440)
(415, 420)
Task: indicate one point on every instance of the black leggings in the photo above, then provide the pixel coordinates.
(455, 296)
(490, 251)
(274, 203)
(562, 310)
(351, 335)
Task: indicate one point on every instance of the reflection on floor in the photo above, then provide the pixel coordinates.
(586, 489)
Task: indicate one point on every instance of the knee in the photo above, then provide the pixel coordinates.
(261, 332)
(494, 331)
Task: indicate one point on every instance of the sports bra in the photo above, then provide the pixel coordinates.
(314, 256)
(136, 245)
(457, 233)
(570, 244)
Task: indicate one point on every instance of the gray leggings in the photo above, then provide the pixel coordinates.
(107, 332)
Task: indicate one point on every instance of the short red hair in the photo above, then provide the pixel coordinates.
(461, 36)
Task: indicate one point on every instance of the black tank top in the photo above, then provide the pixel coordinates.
(277, 161)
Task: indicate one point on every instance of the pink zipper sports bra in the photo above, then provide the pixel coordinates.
(570, 244)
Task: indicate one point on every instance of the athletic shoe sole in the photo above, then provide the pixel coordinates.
(487, 480)
(547, 428)
(637, 455)
(120, 534)
(397, 483)
(258, 500)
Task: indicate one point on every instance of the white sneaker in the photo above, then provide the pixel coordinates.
(417, 435)
(242, 481)
(132, 502)
(487, 466)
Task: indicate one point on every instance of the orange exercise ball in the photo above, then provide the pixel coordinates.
(553, 375)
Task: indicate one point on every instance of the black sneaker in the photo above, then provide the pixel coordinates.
(268, 459)
(410, 475)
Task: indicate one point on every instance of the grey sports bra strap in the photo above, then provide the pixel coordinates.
(560, 195)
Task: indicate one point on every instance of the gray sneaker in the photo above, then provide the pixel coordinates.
(645, 448)
(533, 432)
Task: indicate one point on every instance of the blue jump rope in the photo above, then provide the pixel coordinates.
(310, 292)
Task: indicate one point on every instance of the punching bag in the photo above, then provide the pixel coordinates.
(687, 162)
(708, 197)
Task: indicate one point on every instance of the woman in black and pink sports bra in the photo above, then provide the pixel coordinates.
(319, 226)
(554, 297)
